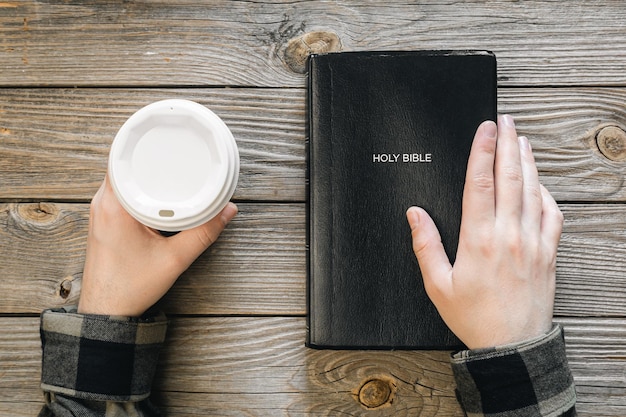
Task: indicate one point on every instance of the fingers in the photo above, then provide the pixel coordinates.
(184, 247)
(189, 244)
(502, 185)
(98, 195)
(551, 219)
(107, 212)
(479, 191)
(431, 256)
(531, 192)
(508, 172)
(502, 180)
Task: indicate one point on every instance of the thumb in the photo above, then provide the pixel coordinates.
(189, 244)
(429, 251)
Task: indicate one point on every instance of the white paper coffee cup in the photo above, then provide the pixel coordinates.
(174, 165)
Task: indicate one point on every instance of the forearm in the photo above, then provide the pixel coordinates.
(530, 378)
(93, 363)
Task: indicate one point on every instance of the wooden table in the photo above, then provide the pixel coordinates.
(71, 72)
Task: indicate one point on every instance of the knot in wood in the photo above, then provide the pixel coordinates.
(611, 142)
(299, 49)
(65, 289)
(38, 212)
(375, 393)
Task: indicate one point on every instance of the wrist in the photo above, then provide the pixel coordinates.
(499, 349)
(86, 305)
(508, 335)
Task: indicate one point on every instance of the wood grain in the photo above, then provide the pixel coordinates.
(71, 73)
(562, 125)
(54, 143)
(602, 348)
(590, 263)
(258, 266)
(258, 366)
(243, 43)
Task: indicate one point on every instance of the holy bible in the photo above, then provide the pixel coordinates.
(387, 130)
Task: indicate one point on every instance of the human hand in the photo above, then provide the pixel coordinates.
(501, 287)
(129, 266)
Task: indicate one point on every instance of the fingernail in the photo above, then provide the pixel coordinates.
(507, 120)
(229, 212)
(490, 129)
(524, 143)
(412, 215)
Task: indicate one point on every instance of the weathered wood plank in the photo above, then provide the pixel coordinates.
(311, 382)
(245, 42)
(591, 263)
(260, 367)
(562, 125)
(258, 265)
(603, 348)
(54, 143)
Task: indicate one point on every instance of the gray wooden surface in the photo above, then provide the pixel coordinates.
(71, 72)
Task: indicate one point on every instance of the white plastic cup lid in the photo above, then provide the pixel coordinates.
(174, 165)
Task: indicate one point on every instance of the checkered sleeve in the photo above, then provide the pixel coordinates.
(99, 358)
(531, 378)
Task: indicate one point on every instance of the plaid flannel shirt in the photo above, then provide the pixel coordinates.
(531, 378)
(103, 366)
(99, 366)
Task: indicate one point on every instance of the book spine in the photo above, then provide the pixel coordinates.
(319, 208)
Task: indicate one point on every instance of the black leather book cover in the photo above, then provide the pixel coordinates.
(387, 130)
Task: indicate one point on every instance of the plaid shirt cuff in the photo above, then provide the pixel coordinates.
(105, 358)
(531, 378)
